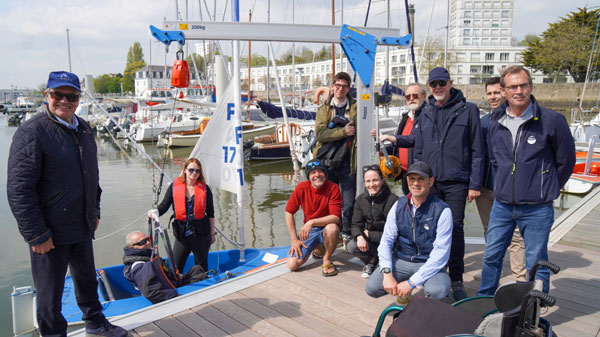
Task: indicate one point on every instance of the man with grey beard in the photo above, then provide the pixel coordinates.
(404, 140)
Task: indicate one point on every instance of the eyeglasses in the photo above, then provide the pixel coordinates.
(341, 86)
(411, 96)
(57, 95)
(313, 164)
(436, 84)
(191, 170)
(373, 167)
(142, 242)
(514, 88)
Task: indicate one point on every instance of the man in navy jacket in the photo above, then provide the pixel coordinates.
(54, 193)
(449, 140)
(533, 153)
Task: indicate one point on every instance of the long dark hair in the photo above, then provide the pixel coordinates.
(183, 176)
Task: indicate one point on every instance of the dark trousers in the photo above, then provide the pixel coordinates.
(455, 195)
(200, 245)
(49, 272)
(347, 183)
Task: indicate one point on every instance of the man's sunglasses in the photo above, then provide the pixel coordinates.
(313, 164)
(142, 242)
(373, 167)
(435, 84)
(57, 95)
(411, 96)
(191, 170)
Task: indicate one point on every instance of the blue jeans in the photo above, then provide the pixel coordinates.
(437, 286)
(347, 183)
(315, 236)
(534, 221)
(455, 195)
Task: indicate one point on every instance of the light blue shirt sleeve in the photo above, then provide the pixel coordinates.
(438, 258)
(390, 233)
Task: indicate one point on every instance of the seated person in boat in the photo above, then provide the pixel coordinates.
(370, 211)
(321, 204)
(150, 274)
(415, 245)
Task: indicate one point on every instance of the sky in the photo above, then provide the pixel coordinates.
(102, 31)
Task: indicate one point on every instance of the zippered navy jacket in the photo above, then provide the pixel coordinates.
(534, 171)
(53, 181)
(454, 151)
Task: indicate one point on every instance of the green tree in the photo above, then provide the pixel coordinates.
(108, 83)
(199, 62)
(135, 61)
(257, 60)
(565, 46)
(529, 40)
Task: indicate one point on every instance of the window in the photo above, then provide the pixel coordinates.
(488, 70)
(504, 32)
(486, 23)
(461, 56)
(505, 23)
(504, 56)
(487, 5)
(468, 4)
(394, 58)
(475, 69)
(506, 4)
(460, 68)
(474, 80)
(495, 14)
(467, 32)
(474, 57)
(505, 14)
(467, 14)
(485, 42)
(495, 23)
(497, 4)
(485, 32)
(477, 14)
(466, 41)
(477, 5)
(486, 14)
(466, 23)
(477, 23)
(475, 41)
(402, 58)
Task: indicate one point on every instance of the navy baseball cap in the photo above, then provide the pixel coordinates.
(421, 168)
(58, 79)
(438, 74)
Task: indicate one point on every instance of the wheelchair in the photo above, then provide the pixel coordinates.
(513, 311)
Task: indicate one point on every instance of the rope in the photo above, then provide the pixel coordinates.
(122, 228)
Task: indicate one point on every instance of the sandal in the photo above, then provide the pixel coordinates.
(325, 267)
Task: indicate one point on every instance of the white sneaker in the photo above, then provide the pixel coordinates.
(477, 276)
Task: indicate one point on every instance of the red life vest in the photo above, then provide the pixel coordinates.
(179, 200)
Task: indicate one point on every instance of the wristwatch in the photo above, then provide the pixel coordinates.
(386, 270)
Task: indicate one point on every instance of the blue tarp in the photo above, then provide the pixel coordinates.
(274, 111)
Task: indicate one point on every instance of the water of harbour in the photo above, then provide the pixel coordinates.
(127, 180)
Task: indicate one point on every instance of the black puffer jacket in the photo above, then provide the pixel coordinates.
(53, 181)
(370, 213)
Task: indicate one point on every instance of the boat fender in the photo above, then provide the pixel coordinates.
(180, 74)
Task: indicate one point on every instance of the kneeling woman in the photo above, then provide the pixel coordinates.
(194, 225)
(370, 211)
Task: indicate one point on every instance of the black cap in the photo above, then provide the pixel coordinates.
(421, 168)
(438, 74)
(315, 164)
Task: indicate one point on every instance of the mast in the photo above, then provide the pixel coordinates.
(333, 44)
(447, 36)
(268, 57)
(69, 49)
(237, 93)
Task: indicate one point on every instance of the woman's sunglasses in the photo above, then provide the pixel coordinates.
(191, 170)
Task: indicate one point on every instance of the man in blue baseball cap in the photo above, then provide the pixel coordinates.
(449, 139)
(54, 194)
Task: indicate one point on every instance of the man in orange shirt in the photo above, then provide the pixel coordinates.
(321, 204)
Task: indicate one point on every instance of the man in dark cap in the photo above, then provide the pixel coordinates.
(449, 140)
(415, 245)
(321, 203)
(54, 193)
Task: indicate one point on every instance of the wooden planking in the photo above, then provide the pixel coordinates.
(150, 330)
(223, 321)
(199, 324)
(253, 315)
(173, 327)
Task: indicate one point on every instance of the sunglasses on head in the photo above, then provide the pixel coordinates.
(57, 95)
(435, 84)
(142, 242)
(411, 96)
(373, 167)
(191, 170)
(313, 164)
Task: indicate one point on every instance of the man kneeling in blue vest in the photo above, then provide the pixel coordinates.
(415, 245)
(151, 275)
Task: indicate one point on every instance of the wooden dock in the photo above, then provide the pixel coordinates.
(276, 302)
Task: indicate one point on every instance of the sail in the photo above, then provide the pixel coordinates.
(219, 147)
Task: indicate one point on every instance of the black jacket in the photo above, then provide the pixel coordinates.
(149, 276)
(454, 150)
(370, 213)
(53, 182)
(201, 226)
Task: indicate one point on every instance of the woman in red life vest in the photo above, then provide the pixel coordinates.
(194, 224)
